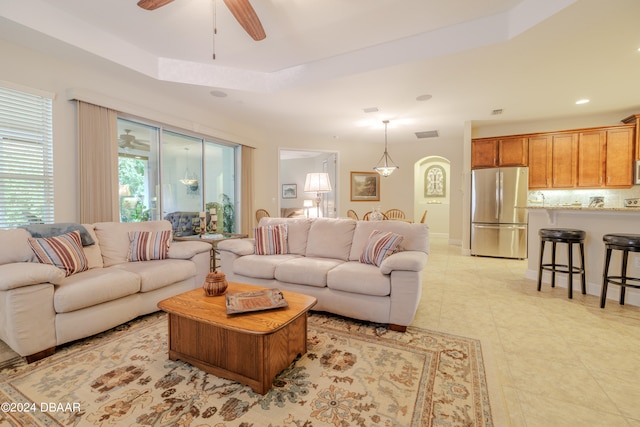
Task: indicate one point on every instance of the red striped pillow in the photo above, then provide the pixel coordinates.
(381, 244)
(149, 245)
(64, 251)
(272, 240)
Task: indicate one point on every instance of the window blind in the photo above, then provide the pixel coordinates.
(26, 158)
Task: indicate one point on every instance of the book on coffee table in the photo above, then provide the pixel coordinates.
(265, 299)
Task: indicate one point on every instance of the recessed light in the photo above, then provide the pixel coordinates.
(218, 94)
(424, 97)
(582, 101)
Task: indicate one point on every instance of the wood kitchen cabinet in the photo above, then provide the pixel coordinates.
(540, 161)
(484, 153)
(619, 157)
(499, 152)
(564, 160)
(592, 151)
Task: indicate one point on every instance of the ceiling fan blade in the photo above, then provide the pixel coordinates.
(153, 4)
(246, 16)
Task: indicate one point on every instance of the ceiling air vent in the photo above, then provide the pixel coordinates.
(370, 110)
(496, 112)
(427, 134)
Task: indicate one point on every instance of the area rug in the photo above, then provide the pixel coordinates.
(353, 374)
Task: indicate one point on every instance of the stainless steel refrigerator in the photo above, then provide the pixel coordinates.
(498, 228)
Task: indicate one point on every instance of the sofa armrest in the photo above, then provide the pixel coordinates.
(186, 249)
(405, 260)
(239, 247)
(18, 274)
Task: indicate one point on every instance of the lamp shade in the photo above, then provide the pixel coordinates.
(317, 182)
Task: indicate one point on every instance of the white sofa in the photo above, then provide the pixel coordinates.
(324, 262)
(42, 308)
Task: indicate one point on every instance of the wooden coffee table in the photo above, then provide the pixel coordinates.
(251, 348)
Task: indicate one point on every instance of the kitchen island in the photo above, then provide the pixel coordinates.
(596, 222)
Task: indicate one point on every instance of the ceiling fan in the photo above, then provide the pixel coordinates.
(128, 141)
(240, 9)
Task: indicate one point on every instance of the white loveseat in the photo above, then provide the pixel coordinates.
(41, 308)
(323, 261)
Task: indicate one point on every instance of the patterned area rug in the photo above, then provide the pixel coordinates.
(354, 374)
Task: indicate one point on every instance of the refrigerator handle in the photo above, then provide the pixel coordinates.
(501, 198)
(498, 194)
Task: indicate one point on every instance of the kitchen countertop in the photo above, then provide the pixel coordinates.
(582, 208)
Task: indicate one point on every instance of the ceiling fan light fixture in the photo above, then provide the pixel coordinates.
(385, 166)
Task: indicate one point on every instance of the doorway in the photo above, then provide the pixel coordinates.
(432, 193)
(294, 166)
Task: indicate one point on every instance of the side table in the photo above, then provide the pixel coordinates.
(213, 239)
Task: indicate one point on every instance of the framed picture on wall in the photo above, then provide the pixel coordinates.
(289, 191)
(365, 187)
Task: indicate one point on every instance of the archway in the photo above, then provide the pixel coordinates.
(432, 192)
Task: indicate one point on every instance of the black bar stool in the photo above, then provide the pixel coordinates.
(570, 237)
(625, 243)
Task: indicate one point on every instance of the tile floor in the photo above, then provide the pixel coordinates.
(559, 362)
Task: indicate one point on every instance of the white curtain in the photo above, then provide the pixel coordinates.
(98, 163)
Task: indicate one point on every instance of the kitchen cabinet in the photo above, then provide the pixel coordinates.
(539, 161)
(591, 158)
(499, 152)
(564, 160)
(619, 157)
(484, 153)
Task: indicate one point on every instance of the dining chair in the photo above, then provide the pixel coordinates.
(424, 217)
(395, 214)
(366, 216)
(261, 213)
(352, 214)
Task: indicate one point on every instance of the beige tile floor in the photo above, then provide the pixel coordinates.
(559, 362)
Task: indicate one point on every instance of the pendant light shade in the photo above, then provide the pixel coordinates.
(385, 166)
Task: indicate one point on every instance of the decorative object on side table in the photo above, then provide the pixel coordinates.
(215, 284)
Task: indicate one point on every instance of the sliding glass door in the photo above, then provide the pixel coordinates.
(162, 171)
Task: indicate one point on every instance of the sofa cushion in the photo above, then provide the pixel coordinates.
(64, 251)
(114, 241)
(186, 250)
(306, 271)
(160, 273)
(19, 274)
(359, 278)
(58, 229)
(330, 238)
(149, 245)
(93, 287)
(297, 232)
(271, 240)
(416, 236)
(92, 252)
(14, 246)
(259, 266)
(381, 244)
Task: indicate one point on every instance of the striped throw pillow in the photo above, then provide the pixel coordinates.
(64, 251)
(272, 240)
(381, 244)
(149, 245)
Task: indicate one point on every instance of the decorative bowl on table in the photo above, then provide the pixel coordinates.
(215, 284)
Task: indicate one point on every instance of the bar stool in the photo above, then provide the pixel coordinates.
(570, 237)
(619, 242)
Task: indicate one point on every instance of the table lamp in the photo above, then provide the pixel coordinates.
(317, 182)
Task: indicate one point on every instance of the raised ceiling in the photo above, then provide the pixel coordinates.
(324, 61)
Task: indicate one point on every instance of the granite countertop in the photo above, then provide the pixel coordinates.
(582, 208)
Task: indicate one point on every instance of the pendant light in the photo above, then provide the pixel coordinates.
(385, 166)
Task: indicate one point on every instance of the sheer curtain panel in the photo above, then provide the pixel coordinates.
(246, 191)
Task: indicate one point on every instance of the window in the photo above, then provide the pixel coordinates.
(163, 170)
(26, 158)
